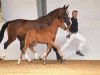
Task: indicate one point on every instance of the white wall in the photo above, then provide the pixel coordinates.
(89, 24)
(19, 9)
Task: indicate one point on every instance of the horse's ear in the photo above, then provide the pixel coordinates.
(65, 7)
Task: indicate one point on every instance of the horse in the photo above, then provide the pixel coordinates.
(19, 27)
(44, 36)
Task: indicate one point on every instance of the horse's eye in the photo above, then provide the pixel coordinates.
(61, 21)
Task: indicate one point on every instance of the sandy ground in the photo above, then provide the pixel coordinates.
(51, 68)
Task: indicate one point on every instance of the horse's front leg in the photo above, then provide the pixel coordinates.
(20, 58)
(58, 49)
(44, 56)
(48, 51)
(22, 52)
(34, 52)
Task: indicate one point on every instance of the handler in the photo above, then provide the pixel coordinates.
(73, 33)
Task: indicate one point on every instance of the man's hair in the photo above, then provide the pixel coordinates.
(74, 11)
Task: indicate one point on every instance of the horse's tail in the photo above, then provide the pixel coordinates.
(3, 30)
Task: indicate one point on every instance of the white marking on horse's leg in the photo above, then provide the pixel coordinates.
(19, 60)
(36, 56)
(34, 52)
(4, 54)
(27, 57)
(43, 56)
(44, 62)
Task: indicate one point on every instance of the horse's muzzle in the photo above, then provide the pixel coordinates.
(65, 28)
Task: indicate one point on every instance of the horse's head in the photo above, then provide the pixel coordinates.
(63, 13)
(60, 23)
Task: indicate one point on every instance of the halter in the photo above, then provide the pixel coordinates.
(67, 13)
(67, 21)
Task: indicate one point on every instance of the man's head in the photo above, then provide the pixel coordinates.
(74, 14)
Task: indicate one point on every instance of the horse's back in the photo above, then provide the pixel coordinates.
(22, 26)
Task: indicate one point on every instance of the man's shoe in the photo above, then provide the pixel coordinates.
(79, 53)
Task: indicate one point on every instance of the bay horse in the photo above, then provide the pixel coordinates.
(44, 36)
(19, 27)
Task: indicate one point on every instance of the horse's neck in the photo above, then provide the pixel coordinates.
(54, 29)
(49, 18)
(52, 17)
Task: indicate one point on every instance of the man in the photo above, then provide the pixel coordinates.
(73, 33)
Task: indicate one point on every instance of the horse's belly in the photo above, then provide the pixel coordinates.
(42, 40)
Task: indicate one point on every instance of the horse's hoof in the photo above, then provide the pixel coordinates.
(58, 59)
(17, 63)
(44, 62)
(40, 58)
(62, 61)
(29, 60)
(2, 57)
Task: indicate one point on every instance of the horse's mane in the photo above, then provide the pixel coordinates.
(53, 11)
(52, 25)
(50, 13)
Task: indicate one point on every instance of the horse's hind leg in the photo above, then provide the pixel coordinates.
(21, 47)
(22, 52)
(11, 38)
(28, 41)
(22, 42)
